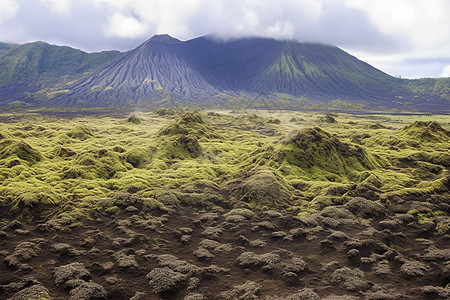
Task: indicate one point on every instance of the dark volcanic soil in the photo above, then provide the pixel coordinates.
(179, 253)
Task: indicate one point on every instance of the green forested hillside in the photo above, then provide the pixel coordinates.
(19, 62)
(431, 86)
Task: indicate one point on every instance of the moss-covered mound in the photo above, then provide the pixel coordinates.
(138, 157)
(261, 188)
(63, 152)
(27, 201)
(134, 120)
(81, 133)
(183, 147)
(166, 111)
(94, 164)
(19, 149)
(329, 118)
(314, 150)
(190, 123)
(436, 158)
(426, 131)
(180, 140)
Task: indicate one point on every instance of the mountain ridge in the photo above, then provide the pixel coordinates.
(200, 69)
(204, 71)
(38, 58)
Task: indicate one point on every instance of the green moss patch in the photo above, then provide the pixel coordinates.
(134, 120)
(315, 150)
(19, 149)
(3, 135)
(63, 152)
(138, 157)
(437, 158)
(190, 123)
(94, 164)
(213, 160)
(80, 132)
(183, 147)
(426, 131)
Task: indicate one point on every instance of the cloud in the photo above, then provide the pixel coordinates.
(325, 21)
(424, 23)
(401, 65)
(8, 9)
(281, 30)
(446, 71)
(125, 27)
(386, 33)
(61, 7)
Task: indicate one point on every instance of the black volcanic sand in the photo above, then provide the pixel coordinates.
(180, 253)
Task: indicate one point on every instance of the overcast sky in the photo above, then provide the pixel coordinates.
(408, 38)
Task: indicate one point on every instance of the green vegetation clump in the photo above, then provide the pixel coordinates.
(370, 179)
(201, 194)
(274, 121)
(63, 152)
(94, 164)
(180, 140)
(19, 149)
(437, 158)
(183, 147)
(121, 200)
(165, 111)
(138, 157)
(426, 131)
(134, 120)
(377, 126)
(252, 120)
(315, 150)
(329, 118)
(80, 132)
(174, 129)
(190, 123)
(30, 200)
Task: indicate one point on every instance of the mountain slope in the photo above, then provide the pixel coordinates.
(18, 62)
(154, 70)
(35, 68)
(270, 66)
(164, 71)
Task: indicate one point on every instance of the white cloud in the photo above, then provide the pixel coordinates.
(8, 9)
(424, 23)
(446, 71)
(61, 7)
(388, 34)
(162, 16)
(281, 29)
(326, 21)
(125, 27)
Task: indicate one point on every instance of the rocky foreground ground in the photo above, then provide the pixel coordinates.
(180, 253)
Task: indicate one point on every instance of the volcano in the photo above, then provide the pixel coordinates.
(165, 69)
(207, 71)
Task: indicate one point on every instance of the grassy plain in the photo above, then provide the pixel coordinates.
(52, 164)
